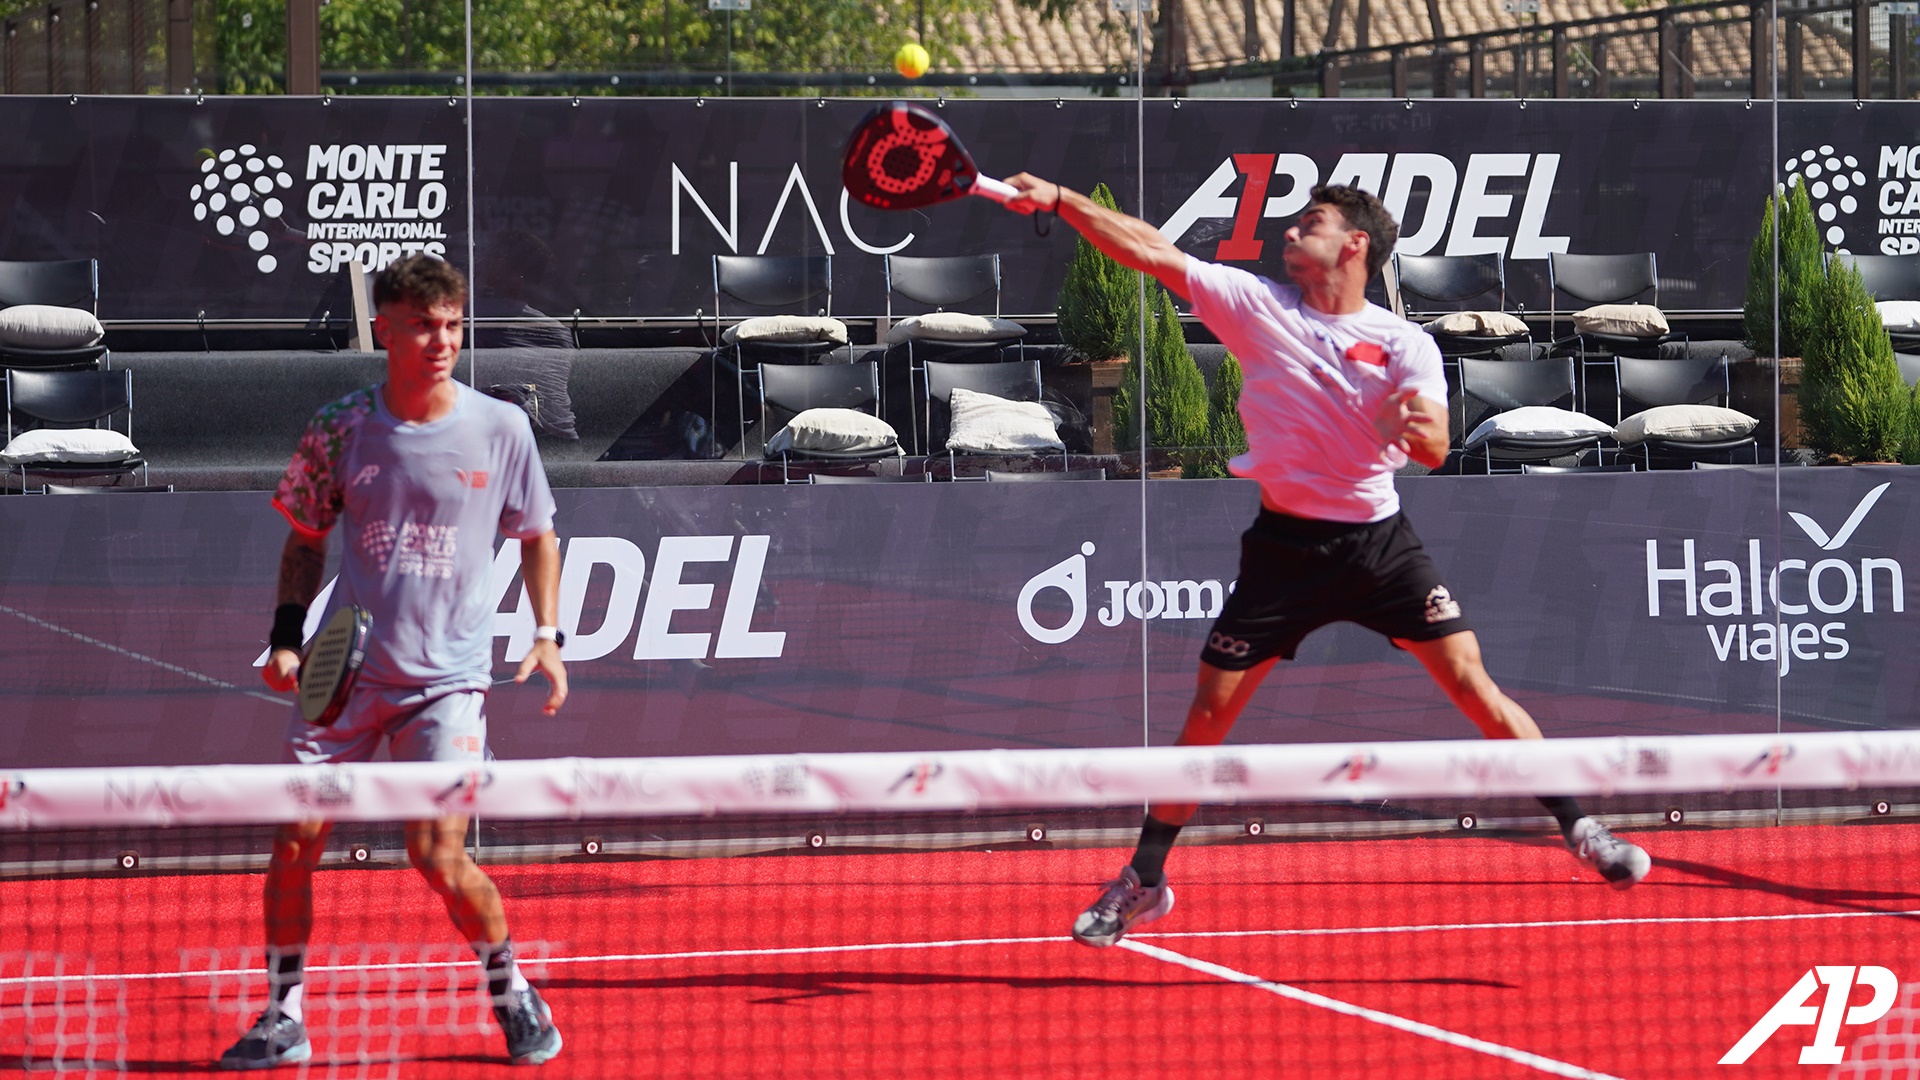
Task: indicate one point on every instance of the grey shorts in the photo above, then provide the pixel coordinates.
(443, 724)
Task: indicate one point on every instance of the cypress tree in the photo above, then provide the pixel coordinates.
(1853, 401)
(1757, 311)
(1226, 432)
(1176, 392)
(1099, 298)
(1802, 273)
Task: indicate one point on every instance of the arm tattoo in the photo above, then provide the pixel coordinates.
(301, 565)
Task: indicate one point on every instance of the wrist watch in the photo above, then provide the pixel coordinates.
(550, 633)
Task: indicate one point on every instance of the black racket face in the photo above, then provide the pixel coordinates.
(902, 157)
(326, 675)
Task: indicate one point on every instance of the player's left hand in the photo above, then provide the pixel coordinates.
(1411, 423)
(545, 657)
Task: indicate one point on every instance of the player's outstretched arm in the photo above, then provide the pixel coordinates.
(540, 569)
(302, 561)
(1126, 239)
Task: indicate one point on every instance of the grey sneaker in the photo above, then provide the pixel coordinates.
(275, 1039)
(1125, 904)
(1621, 863)
(532, 1038)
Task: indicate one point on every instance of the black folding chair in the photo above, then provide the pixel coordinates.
(71, 283)
(72, 399)
(780, 282)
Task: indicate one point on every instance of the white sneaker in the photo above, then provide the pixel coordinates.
(1125, 904)
(1621, 863)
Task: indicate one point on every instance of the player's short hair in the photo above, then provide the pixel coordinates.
(421, 281)
(1364, 211)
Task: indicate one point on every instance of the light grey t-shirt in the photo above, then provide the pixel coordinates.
(418, 505)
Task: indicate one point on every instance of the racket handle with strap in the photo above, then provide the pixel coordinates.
(997, 190)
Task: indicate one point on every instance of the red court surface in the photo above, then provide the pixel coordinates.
(1456, 957)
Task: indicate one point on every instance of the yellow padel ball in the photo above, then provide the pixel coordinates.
(912, 60)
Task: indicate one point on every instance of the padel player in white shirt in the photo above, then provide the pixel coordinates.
(419, 473)
(1339, 394)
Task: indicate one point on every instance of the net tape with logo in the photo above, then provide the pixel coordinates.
(966, 780)
(933, 939)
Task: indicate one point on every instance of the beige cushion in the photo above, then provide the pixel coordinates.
(69, 445)
(1537, 422)
(952, 326)
(1684, 423)
(1478, 324)
(47, 326)
(985, 424)
(836, 431)
(1902, 316)
(786, 330)
(1623, 320)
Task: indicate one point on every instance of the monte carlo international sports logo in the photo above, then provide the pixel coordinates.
(239, 195)
(1867, 202)
(364, 203)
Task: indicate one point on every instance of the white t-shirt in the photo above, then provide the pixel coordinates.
(1314, 383)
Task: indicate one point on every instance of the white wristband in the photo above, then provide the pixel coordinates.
(546, 633)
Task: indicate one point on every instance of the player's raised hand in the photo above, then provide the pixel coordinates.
(282, 670)
(545, 658)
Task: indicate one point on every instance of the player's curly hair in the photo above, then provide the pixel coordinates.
(1364, 211)
(421, 281)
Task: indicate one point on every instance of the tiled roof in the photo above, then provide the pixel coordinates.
(1094, 37)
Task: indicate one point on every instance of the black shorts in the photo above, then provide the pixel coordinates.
(1297, 575)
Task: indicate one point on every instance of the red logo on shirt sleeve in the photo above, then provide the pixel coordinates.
(1368, 353)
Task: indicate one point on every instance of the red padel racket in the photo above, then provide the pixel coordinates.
(331, 664)
(903, 158)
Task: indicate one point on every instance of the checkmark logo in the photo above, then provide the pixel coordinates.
(1819, 536)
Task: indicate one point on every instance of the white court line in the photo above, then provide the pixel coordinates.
(1416, 928)
(1398, 1023)
(142, 657)
(958, 943)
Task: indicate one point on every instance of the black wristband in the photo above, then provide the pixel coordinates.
(289, 624)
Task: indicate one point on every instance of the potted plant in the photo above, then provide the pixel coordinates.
(1802, 263)
(1098, 298)
(1226, 432)
(1853, 403)
(1099, 302)
(1173, 412)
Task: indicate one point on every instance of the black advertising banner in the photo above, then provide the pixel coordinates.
(1683, 179)
(614, 207)
(1863, 177)
(767, 620)
(232, 207)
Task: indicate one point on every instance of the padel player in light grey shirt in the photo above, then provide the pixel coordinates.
(417, 474)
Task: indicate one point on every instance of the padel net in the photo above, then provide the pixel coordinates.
(1342, 909)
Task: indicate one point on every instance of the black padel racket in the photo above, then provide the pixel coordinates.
(903, 158)
(331, 663)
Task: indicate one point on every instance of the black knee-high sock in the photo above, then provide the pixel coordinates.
(286, 975)
(503, 975)
(1150, 858)
(1566, 810)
